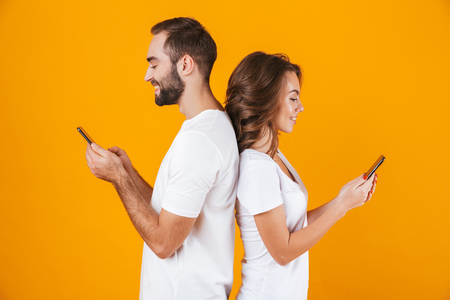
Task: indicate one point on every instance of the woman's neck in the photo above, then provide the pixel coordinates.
(263, 143)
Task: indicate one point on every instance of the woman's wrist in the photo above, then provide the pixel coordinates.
(339, 206)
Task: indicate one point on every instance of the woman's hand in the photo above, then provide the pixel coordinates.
(357, 192)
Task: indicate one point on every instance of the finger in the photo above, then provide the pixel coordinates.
(359, 181)
(91, 155)
(369, 195)
(374, 184)
(88, 151)
(116, 150)
(367, 185)
(99, 150)
(88, 158)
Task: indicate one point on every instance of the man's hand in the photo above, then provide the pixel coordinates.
(126, 162)
(104, 164)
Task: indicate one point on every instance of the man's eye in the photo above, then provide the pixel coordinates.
(153, 67)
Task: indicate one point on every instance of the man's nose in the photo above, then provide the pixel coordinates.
(149, 75)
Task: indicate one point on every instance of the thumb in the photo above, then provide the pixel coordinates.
(99, 150)
(116, 150)
(360, 180)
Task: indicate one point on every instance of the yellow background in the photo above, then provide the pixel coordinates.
(377, 78)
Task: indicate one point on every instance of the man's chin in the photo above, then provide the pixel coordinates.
(164, 103)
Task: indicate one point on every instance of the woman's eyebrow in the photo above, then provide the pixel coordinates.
(296, 91)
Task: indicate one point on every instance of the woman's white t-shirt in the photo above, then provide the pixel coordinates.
(262, 187)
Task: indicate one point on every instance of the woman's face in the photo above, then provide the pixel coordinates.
(290, 104)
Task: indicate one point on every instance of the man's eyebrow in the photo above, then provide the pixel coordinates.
(149, 59)
(295, 91)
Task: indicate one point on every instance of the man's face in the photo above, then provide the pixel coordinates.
(162, 74)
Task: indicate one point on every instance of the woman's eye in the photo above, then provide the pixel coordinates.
(293, 99)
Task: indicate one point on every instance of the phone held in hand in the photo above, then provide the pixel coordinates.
(85, 135)
(374, 167)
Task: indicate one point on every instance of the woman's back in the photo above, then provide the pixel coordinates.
(262, 187)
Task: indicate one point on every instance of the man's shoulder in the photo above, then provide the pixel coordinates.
(210, 134)
(208, 121)
(215, 126)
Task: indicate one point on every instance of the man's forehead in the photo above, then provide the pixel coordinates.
(156, 48)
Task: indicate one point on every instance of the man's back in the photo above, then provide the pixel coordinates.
(197, 179)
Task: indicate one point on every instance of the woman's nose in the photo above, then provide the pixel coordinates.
(299, 107)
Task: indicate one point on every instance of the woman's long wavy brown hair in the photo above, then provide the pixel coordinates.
(253, 95)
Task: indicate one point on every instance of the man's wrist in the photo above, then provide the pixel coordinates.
(121, 177)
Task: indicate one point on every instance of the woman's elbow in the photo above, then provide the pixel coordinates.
(282, 260)
(285, 258)
(162, 251)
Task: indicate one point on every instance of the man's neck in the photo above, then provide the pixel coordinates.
(197, 99)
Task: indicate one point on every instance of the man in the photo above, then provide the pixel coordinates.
(187, 220)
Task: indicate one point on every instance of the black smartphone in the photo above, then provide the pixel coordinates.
(374, 167)
(85, 135)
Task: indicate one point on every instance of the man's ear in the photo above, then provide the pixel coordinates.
(186, 65)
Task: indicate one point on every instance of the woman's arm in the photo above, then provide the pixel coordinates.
(315, 213)
(284, 246)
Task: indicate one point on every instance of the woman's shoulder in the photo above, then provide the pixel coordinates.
(252, 156)
(255, 160)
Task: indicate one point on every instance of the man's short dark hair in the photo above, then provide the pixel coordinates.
(188, 36)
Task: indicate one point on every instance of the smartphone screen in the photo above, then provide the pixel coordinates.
(374, 167)
(85, 135)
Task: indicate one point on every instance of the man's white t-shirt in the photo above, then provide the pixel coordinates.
(197, 179)
(263, 186)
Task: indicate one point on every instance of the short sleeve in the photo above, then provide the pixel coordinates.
(193, 167)
(259, 187)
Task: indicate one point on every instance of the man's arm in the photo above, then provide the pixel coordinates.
(163, 233)
(144, 188)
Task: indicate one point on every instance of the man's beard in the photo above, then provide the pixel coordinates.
(170, 88)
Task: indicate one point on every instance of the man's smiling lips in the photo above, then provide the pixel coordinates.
(156, 89)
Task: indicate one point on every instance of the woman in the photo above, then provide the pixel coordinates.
(276, 228)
